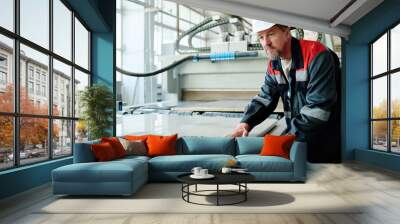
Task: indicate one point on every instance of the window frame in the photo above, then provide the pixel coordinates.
(388, 74)
(16, 115)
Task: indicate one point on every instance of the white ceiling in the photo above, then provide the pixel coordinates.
(317, 15)
(324, 9)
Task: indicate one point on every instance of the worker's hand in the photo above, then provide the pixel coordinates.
(241, 130)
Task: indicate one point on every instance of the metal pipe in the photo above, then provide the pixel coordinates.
(204, 28)
(204, 22)
(212, 57)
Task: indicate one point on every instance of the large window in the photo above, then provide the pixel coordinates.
(157, 26)
(385, 94)
(40, 80)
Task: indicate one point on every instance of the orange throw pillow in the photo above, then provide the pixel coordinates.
(136, 137)
(116, 145)
(103, 151)
(277, 145)
(161, 145)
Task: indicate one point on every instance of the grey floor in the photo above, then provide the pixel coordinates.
(378, 189)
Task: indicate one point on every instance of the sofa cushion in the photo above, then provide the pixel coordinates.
(185, 163)
(257, 163)
(132, 158)
(249, 145)
(193, 145)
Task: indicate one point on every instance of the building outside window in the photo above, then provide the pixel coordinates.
(30, 87)
(43, 90)
(37, 74)
(3, 78)
(30, 72)
(43, 77)
(38, 89)
(3, 61)
(55, 99)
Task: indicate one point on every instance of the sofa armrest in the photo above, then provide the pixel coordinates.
(298, 155)
(83, 152)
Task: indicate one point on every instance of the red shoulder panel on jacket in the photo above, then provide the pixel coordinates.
(309, 50)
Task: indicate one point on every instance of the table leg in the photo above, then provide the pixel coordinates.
(245, 193)
(217, 194)
(182, 190)
(196, 188)
(188, 190)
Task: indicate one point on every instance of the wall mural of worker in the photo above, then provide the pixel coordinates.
(306, 76)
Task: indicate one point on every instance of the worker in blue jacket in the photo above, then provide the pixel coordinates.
(306, 76)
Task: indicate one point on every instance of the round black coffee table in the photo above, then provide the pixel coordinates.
(238, 179)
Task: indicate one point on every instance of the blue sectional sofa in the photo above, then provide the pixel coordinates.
(125, 176)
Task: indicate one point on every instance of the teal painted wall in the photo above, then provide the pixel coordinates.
(356, 103)
(380, 159)
(103, 53)
(91, 11)
(24, 178)
(102, 58)
(103, 65)
(100, 16)
(356, 85)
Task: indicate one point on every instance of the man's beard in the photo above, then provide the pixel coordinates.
(272, 55)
